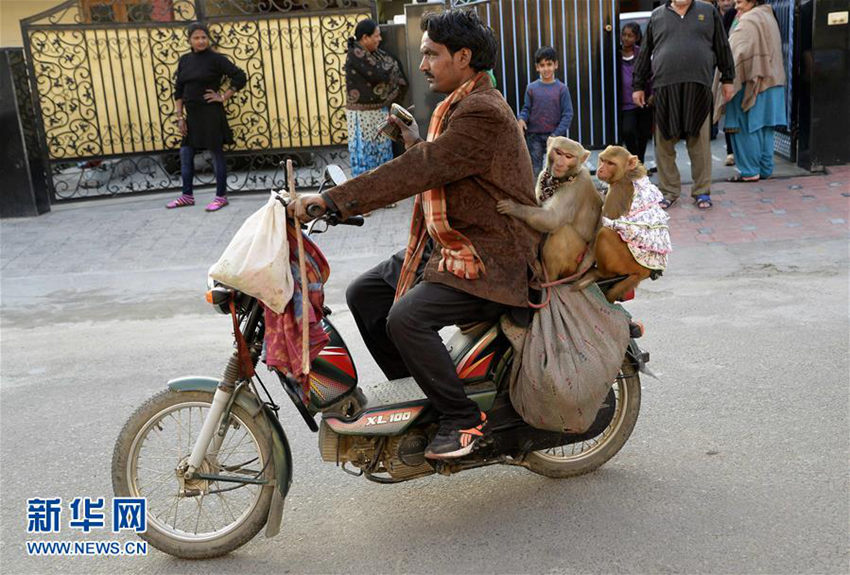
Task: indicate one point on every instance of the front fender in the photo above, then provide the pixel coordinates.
(251, 403)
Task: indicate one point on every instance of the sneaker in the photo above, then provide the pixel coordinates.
(456, 442)
(218, 203)
(181, 202)
(730, 160)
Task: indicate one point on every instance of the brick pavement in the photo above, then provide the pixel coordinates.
(138, 234)
(814, 206)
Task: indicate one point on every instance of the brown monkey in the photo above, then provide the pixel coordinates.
(569, 210)
(634, 239)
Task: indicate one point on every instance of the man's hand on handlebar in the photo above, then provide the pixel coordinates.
(306, 208)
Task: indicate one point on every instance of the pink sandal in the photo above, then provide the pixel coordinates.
(218, 203)
(181, 202)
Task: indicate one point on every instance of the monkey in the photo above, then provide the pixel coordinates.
(634, 239)
(569, 209)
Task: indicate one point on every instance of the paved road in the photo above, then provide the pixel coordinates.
(738, 463)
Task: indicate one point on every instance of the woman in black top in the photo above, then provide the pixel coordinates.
(196, 90)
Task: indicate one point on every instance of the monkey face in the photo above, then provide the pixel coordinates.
(562, 162)
(607, 169)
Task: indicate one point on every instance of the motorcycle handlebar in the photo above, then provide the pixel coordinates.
(316, 211)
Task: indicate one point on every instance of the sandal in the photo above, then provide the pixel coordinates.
(703, 201)
(667, 204)
(738, 179)
(218, 203)
(181, 202)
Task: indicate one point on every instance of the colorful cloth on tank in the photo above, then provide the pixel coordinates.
(367, 148)
(644, 228)
(283, 331)
(430, 217)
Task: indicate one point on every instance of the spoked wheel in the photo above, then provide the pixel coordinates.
(586, 456)
(198, 518)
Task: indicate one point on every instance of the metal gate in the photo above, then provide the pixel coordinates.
(102, 73)
(583, 33)
(785, 142)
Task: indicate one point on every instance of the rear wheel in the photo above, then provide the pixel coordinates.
(198, 518)
(586, 456)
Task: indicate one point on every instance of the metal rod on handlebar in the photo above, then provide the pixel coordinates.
(302, 267)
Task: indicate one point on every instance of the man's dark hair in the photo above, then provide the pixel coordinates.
(545, 53)
(458, 29)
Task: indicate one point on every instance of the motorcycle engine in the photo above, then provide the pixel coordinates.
(402, 456)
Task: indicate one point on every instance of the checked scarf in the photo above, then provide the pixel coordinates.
(458, 255)
(283, 331)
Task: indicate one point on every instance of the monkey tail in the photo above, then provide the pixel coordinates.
(586, 263)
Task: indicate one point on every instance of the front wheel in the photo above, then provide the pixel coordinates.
(197, 518)
(586, 456)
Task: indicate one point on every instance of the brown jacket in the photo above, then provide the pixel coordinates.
(480, 157)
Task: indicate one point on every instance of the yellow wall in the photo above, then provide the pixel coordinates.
(11, 14)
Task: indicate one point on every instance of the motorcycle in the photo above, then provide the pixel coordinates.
(216, 446)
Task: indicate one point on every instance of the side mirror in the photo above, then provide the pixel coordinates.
(334, 175)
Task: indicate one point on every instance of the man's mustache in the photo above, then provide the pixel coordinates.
(427, 75)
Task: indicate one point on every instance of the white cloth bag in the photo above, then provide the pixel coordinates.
(256, 261)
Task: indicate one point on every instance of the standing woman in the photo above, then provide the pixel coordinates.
(204, 126)
(637, 121)
(373, 82)
(758, 106)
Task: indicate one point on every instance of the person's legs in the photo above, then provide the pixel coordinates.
(369, 299)
(699, 152)
(766, 159)
(187, 175)
(630, 130)
(355, 143)
(414, 323)
(747, 149)
(537, 149)
(220, 169)
(669, 180)
(187, 169)
(644, 131)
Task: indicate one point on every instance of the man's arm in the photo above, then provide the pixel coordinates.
(465, 149)
(722, 51)
(643, 66)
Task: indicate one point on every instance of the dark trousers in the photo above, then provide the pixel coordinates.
(637, 130)
(537, 150)
(187, 170)
(404, 340)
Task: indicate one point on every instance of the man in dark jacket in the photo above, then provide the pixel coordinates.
(684, 42)
(481, 261)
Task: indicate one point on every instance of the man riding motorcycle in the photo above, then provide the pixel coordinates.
(481, 261)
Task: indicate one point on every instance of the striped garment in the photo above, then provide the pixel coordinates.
(457, 254)
(283, 331)
(681, 109)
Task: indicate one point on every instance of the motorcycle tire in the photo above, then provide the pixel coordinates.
(564, 461)
(161, 533)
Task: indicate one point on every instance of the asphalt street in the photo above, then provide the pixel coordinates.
(738, 463)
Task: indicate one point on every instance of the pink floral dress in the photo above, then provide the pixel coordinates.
(644, 228)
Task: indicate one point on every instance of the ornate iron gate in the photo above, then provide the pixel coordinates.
(102, 74)
(583, 33)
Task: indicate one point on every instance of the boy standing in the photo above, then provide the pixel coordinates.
(547, 109)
